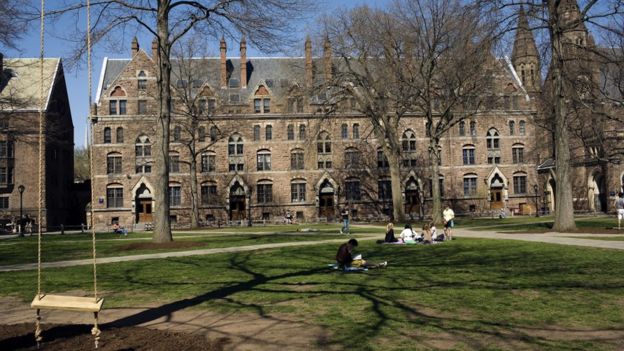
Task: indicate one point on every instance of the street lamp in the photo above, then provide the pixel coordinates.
(21, 189)
(535, 189)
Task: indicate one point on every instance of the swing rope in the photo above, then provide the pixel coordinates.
(72, 304)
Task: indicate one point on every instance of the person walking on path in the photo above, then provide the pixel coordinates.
(619, 205)
(345, 221)
(449, 222)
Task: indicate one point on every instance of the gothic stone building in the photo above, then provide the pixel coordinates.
(19, 141)
(267, 150)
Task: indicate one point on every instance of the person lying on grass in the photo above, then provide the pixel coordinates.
(344, 257)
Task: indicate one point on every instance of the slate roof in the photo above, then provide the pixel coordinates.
(19, 83)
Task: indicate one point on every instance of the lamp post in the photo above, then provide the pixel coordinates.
(535, 189)
(20, 223)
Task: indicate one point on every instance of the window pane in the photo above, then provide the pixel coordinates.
(122, 107)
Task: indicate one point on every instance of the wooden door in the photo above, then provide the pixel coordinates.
(496, 199)
(237, 207)
(326, 205)
(145, 210)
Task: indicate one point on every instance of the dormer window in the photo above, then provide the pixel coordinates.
(262, 101)
(117, 103)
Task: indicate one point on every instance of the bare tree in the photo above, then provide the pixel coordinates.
(268, 24)
(13, 22)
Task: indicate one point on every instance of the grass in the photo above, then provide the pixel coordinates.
(464, 295)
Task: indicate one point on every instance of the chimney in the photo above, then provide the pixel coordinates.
(243, 62)
(309, 77)
(155, 49)
(223, 48)
(327, 59)
(134, 46)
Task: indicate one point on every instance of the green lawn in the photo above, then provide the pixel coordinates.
(463, 295)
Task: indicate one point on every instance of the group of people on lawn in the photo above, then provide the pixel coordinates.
(345, 259)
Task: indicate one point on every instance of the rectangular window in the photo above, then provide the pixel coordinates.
(257, 107)
(382, 160)
(324, 164)
(113, 165)
(297, 192)
(7, 149)
(470, 186)
(114, 197)
(384, 190)
(265, 193)
(174, 164)
(353, 190)
(175, 196)
(112, 107)
(142, 84)
(290, 132)
(264, 162)
(519, 183)
(3, 175)
(518, 155)
(209, 194)
(469, 156)
(208, 163)
(142, 107)
(352, 159)
(122, 107)
(296, 160)
(267, 105)
(268, 133)
(256, 132)
(493, 160)
(4, 202)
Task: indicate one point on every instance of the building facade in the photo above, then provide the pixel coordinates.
(19, 142)
(267, 148)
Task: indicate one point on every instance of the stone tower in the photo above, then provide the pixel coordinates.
(525, 57)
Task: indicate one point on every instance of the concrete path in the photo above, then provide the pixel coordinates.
(57, 264)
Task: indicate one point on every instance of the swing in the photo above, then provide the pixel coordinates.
(64, 302)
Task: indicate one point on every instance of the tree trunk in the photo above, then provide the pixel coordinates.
(394, 164)
(162, 224)
(564, 209)
(436, 208)
(194, 193)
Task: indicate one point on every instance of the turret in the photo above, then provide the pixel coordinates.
(525, 57)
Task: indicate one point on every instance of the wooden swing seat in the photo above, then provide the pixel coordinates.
(67, 303)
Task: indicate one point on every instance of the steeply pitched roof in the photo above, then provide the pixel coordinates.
(20, 83)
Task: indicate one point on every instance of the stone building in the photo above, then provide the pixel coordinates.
(266, 149)
(19, 141)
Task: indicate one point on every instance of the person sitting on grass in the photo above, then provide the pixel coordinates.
(390, 234)
(427, 238)
(344, 257)
(407, 235)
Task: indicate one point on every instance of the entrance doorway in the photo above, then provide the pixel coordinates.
(496, 193)
(326, 200)
(412, 199)
(143, 202)
(598, 194)
(237, 202)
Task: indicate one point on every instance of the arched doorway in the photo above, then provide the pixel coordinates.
(143, 201)
(326, 200)
(412, 199)
(237, 202)
(496, 193)
(597, 193)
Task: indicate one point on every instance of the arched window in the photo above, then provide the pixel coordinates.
(470, 184)
(492, 139)
(352, 158)
(290, 132)
(297, 159)
(208, 162)
(518, 153)
(201, 134)
(468, 153)
(462, 128)
(473, 128)
(174, 162)
(520, 183)
(142, 81)
(344, 131)
(264, 160)
(114, 196)
(352, 189)
(302, 132)
(264, 191)
(113, 163)
(177, 133)
(268, 132)
(408, 141)
(298, 190)
(235, 145)
(512, 127)
(323, 143)
(107, 135)
(175, 194)
(356, 131)
(209, 194)
(522, 127)
(119, 135)
(214, 133)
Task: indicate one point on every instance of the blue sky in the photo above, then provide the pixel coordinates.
(77, 82)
